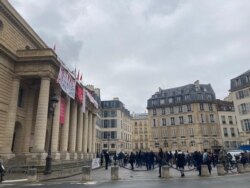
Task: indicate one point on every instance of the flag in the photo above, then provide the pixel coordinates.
(54, 47)
(81, 77)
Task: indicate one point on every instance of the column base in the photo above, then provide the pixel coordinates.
(65, 156)
(79, 155)
(85, 156)
(7, 156)
(73, 156)
(56, 156)
(37, 158)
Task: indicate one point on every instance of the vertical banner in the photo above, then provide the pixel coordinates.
(67, 82)
(79, 93)
(62, 110)
(83, 100)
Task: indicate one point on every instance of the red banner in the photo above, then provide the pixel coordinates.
(62, 110)
(79, 93)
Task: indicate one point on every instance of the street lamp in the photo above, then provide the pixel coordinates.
(53, 101)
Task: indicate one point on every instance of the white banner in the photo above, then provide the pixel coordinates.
(67, 82)
(95, 163)
(92, 100)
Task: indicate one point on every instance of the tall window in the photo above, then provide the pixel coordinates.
(210, 107)
(245, 125)
(172, 121)
(180, 109)
(173, 132)
(171, 110)
(189, 108)
(182, 132)
(164, 123)
(154, 122)
(202, 118)
(230, 119)
(21, 98)
(163, 112)
(211, 118)
(190, 119)
(191, 131)
(181, 120)
(223, 119)
(232, 132)
(154, 112)
(201, 107)
(225, 132)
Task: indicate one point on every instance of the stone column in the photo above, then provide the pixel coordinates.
(204, 171)
(42, 116)
(56, 125)
(90, 144)
(29, 120)
(94, 133)
(65, 130)
(72, 131)
(79, 129)
(85, 131)
(10, 126)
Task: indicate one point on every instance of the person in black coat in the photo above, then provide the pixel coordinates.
(160, 160)
(2, 170)
(132, 160)
(106, 156)
(198, 160)
(180, 162)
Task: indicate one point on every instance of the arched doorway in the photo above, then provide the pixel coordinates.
(17, 138)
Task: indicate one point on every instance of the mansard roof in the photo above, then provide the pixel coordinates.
(185, 94)
(240, 82)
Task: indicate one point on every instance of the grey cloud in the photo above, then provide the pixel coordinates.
(130, 48)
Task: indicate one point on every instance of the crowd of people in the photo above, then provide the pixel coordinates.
(177, 159)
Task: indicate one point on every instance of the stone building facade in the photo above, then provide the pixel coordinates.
(228, 125)
(116, 127)
(141, 132)
(184, 118)
(28, 72)
(240, 94)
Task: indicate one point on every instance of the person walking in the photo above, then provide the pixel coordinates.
(180, 162)
(2, 170)
(106, 156)
(132, 160)
(160, 160)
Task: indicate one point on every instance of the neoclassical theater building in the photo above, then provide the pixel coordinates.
(28, 78)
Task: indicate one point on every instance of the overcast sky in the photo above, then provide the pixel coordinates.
(130, 48)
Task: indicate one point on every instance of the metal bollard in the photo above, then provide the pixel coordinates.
(220, 170)
(247, 167)
(240, 168)
(114, 173)
(204, 171)
(165, 172)
(86, 173)
(32, 174)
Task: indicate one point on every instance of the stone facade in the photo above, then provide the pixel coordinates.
(116, 127)
(228, 125)
(240, 94)
(28, 70)
(141, 132)
(184, 118)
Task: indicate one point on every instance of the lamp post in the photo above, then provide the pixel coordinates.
(53, 101)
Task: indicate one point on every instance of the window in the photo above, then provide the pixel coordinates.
(162, 101)
(156, 145)
(190, 119)
(136, 145)
(183, 143)
(206, 144)
(230, 119)
(201, 107)
(178, 99)
(245, 125)
(204, 130)
(192, 143)
(210, 107)
(213, 130)
(173, 132)
(170, 100)
(225, 132)
(182, 132)
(181, 120)
(191, 131)
(164, 123)
(187, 97)
(172, 121)
(180, 109)
(163, 111)
(141, 145)
(154, 112)
(202, 118)
(113, 123)
(112, 145)
(106, 123)
(105, 145)
(171, 110)
(223, 119)
(189, 108)
(154, 123)
(211, 118)
(232, 132)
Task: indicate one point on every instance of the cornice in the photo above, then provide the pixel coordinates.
(21, 24)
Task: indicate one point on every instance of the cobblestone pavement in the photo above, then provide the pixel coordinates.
(139, 174)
